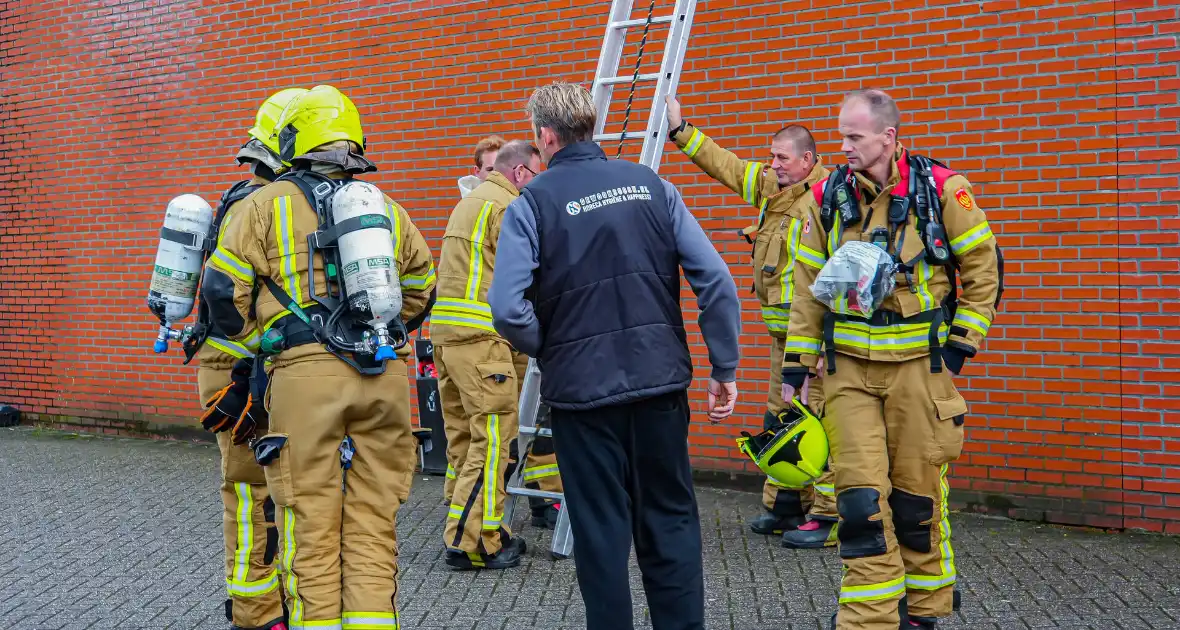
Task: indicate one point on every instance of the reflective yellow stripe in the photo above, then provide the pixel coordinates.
(419, 281)
(227, 262)
(235, 349)
(455, 511)
(923, 272)
(271, 322)
(460, 312)
(475, 265)
(787, 281)
(833, 239)
(826, 489)
(451, 472)
(803, 345)
(971, 239)
(326, 624)
(245, 542)
(491, 474)
(540, 472)
(750, 182)
(370, 621)
(285, 239)
(970, 319)
(872, 592)
(254, 589)
(810, 257)
(776, 318)
(395, 233)
(296, 605)
(694, 143)
(885, 338)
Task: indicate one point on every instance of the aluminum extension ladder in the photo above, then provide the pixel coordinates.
(605, 78)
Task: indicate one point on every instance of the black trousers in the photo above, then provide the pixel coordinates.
(627, 478)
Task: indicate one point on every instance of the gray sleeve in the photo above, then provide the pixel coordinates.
(517, 255)
(709, 277)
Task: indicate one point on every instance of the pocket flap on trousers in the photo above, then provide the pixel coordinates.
(493, 368)
(949, 408)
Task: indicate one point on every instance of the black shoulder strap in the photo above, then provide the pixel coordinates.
(316, 187)
(827, 212)
(203, 328)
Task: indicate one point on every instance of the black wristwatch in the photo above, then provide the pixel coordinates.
(672, 132)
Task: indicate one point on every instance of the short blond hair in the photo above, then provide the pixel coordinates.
(566, 108)
(881, 106)
(490, 143)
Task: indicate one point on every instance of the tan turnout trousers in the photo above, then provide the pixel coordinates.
(894, 429)
(251, 540)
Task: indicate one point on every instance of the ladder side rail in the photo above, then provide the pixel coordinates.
(608, 60)
(670, 67)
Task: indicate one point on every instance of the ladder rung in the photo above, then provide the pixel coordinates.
(663, 19)
(536, 431)
(540, 494)
(616, 80)
(631, 135)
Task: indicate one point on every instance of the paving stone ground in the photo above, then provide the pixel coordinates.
(100, 532)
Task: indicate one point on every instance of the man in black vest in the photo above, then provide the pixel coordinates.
(588, 282)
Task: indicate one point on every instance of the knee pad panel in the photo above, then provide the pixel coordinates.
(860, 535)
(910, 511)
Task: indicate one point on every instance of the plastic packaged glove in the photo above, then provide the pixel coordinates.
(856, 279)
(228, 404)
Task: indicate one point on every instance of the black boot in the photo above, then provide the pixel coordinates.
(814, 534)
(507, 557)
(545, 516)
(768, 523)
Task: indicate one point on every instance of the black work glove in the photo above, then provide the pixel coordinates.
(953, 358)
(794, 377)
(228, 404)
(247, 424)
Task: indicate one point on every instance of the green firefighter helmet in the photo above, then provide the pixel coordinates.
(794, 452)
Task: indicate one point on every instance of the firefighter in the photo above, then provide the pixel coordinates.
(485, 159)
(805, 518)
(479, 372)
(334, 374)
(251, 579)
(888, 370)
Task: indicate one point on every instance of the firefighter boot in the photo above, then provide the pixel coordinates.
(814, 534)
(545, 515)
(507, 557)
(768, 523)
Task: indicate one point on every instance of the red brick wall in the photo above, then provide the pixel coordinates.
(1063, 114)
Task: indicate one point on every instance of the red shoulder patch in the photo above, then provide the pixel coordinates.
(941, 174)
(963, 198)
(818, 192)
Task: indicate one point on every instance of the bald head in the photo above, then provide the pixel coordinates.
(882, 108)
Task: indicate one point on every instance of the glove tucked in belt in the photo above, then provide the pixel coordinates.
(233, 407)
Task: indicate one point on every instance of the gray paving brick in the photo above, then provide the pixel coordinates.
(104, 532)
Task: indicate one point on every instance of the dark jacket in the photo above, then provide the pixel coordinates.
(588, 281)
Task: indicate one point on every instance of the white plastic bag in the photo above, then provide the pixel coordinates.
(856, 279)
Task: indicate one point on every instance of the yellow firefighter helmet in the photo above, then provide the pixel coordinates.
(794, 452)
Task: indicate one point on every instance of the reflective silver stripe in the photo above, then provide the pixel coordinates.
(872, 592)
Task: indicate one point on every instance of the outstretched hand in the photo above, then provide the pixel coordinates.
(673, 114)
(722, 398)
